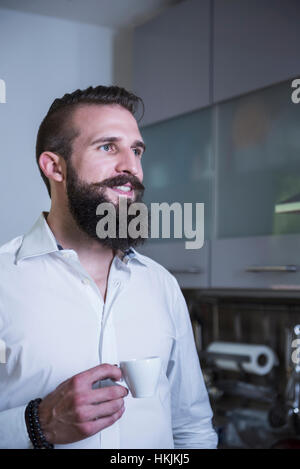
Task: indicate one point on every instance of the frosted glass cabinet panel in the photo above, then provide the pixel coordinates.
(258, 159)
(177, 167)
(178, 162)
(258, 155)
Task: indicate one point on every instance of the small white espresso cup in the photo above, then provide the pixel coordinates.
(141, 375)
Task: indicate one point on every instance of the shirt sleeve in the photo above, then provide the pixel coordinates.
(13, 431)
(191, 410)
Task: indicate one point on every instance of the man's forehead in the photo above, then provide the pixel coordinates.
(101, 113)
(97, 118)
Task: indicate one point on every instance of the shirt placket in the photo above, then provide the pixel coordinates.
(119, 275)
(108, 350)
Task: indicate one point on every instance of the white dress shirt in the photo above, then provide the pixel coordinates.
(55, 324)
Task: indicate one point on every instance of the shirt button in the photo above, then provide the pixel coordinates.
(86, 281)
(117, 283)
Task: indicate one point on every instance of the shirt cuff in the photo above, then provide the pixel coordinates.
(13, 430)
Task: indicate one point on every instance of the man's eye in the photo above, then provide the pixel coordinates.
(138, 152)
(106, 146)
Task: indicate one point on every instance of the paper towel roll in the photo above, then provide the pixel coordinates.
(262, 358)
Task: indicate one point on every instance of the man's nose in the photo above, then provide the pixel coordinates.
(128, 162)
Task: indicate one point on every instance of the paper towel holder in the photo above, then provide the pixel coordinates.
(211, 357)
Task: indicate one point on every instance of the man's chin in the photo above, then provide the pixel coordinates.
(121, 244)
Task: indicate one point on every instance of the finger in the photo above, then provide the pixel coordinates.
(98, 373)
(94, 426)
(93, 412)
(108, 393)
(106, 413)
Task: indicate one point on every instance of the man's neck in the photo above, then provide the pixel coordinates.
(93, 256)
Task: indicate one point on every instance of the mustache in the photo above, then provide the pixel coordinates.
(120, 180)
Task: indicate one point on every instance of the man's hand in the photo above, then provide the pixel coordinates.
(74, 411)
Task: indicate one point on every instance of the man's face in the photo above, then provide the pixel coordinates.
(105, 155)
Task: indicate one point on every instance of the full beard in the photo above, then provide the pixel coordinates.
(84, 198)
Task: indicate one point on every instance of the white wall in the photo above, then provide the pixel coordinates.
(42, 58)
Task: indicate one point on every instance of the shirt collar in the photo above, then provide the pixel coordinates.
(40, 240)
(37, 241)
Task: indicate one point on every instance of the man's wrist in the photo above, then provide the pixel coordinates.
(35, 432)
(45, 422)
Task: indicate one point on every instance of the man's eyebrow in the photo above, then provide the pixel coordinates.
(136, 143)
(139, 143)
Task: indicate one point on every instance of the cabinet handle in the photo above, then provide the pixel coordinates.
(272, 268)
(191, 270)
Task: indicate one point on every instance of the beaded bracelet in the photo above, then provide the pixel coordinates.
(35, 432)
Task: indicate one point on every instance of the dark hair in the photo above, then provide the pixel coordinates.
(55, 132)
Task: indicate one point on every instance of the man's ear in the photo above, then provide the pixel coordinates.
(53, 166)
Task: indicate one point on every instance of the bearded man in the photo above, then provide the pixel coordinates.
(73, 305)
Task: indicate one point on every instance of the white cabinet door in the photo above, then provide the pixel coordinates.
(254, 45)
(258, 262)
(189, 266)
(171, 61)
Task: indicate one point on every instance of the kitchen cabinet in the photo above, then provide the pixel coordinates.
(201, 52)
(222, 129)
(257, 152)
(254, 45)
(190, 267)
(258, 168)
(241, 159)
(178, 168)
(258, 262)
(171, 61)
